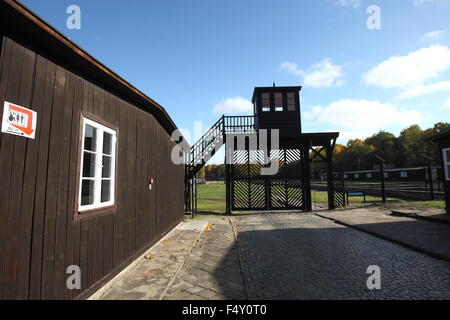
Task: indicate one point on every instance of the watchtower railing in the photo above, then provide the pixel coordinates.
(239, 124)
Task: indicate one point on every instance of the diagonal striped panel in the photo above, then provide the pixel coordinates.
(252, 191)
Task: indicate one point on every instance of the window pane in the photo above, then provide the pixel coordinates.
(278, 102)
(106, 191)
(448, 155)
(265, 100)
(88, 165)
(107, 143)
(90, 138)
(106, 164)
(291, 101)
(87, 192)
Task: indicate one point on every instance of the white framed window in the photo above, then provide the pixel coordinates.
(356, 175)
(403, 174)
(446, 162)
(345, 176)
(386, 175)
(97, 168)
(369, 175)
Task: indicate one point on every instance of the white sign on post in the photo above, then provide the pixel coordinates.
(19, 121)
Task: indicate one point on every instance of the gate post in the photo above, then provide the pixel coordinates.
(383, 182)
(430, 176)
(228, 155)
(330, 178)
(306, 177)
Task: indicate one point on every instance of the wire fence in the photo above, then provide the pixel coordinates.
(406, 183)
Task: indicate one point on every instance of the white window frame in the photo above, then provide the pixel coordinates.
(403, 174)
(98, 166)
(446, 163)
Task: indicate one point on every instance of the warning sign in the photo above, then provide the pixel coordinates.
(19, 121)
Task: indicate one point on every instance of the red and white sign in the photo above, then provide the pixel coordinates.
(19, 121)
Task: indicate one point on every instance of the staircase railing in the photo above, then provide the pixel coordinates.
(207, 146)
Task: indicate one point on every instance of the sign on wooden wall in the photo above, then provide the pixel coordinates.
(19, 121)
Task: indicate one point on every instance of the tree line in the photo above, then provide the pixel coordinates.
(411, 148)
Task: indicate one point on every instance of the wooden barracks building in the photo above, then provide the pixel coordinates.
(78, 149)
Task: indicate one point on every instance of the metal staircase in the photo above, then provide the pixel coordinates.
(206, 147)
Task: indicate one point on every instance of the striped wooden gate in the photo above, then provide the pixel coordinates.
(253, 191)
(339, 190)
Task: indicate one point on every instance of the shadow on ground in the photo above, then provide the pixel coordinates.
(307, 257)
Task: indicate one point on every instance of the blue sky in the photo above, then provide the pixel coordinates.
(201, 58)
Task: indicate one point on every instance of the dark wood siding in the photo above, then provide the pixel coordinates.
(40, 235)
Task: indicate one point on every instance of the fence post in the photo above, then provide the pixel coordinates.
(430, 175)
(383, 182)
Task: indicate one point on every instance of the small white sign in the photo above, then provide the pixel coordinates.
(19, 121)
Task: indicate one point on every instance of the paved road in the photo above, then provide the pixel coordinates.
(290, 256)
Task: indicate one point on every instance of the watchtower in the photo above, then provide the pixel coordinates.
(249, 186)
(278, 108)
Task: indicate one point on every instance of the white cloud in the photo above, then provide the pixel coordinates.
(422, 90)
(292, 68)
(323, 74)
(432, 37)
(233, 106)
(362, 118)
(349, 3)
(410, 70)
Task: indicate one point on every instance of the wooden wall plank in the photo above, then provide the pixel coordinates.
(84, 245)
(122, 181)
(29, 184)
(51, 200)
(4, 196)
(11, 171)
(73, 227)
(63, 188)
(41, 184)
(130, 177)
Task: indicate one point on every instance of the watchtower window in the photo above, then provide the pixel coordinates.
(291, 101)
(265, 103)
(278, 101)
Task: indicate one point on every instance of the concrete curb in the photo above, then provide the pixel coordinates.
(398, 242)
(246, 290)
(418, 216)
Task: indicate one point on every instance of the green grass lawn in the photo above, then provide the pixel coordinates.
(211, 198)
(435, 203)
